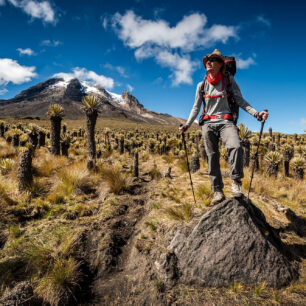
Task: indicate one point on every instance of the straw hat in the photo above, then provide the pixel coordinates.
(215, 53)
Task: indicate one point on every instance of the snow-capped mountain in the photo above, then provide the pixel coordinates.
(35, 101)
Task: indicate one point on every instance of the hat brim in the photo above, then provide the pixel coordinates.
(206, 57)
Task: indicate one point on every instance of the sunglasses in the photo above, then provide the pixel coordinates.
(214, 59)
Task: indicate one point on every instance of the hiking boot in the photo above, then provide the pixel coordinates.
(236, 189)
(218, 197)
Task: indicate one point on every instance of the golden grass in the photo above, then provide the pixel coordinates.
(155, 173)
(204, 192)
(5, 199)
(46, 255)
(116, 181)
(45, 163)
(72, 179)
(58, 285)
(286, 190)
(183, 212)
(182, 165)
(7, 150)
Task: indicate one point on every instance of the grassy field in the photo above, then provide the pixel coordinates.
(74, 232)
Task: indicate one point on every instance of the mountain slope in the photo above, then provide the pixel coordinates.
(35, 101)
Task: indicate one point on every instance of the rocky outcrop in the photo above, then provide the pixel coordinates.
(231, 242)
(74, 91)
(131, 100)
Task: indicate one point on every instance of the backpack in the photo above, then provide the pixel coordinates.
(230, 69)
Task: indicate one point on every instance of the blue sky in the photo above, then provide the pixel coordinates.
(154, 49)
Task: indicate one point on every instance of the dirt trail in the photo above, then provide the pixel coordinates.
(122, 275)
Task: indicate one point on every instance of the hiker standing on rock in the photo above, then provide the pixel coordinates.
(219, 91)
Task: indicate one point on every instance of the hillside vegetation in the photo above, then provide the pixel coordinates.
(87, 207)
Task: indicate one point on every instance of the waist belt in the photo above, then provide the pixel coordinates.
(225, 116)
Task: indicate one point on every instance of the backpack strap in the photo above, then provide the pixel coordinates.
(234, 107)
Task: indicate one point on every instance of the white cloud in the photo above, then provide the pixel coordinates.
(157, 39)
(41, 10)
(26, 51)
(87, 75)
(181, 66)
(51, 43)
(104, 22)
(12, 71)
(3, 91)
(2, 2)
(119, 69)
(188, 34)
(245, 64)
(129, 87)
(263, 20)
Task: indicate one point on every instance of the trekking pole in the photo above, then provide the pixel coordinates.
(185, 147)
(256, 154)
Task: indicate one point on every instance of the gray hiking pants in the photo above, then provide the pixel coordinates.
(229, 135)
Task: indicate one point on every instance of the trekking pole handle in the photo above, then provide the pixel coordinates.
(183, 135)
(265, 110)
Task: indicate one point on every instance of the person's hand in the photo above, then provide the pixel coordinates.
(183, 128)
(262, 116)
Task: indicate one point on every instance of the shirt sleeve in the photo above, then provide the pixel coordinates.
(239, 99)
(196, 106)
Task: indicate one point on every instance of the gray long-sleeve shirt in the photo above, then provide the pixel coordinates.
(218, 106)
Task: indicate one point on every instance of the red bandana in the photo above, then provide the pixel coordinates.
(214, 80)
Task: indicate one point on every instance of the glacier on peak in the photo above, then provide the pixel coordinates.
(90, 88)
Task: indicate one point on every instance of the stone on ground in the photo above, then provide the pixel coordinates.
(231, 242)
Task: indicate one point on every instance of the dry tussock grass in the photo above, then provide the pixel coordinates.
(47, 254)
(58, 285)
(116, 181)
(50, 260)
(183, 212)
(285, 190)
(7, 150)
(45, 163)
(74, 178)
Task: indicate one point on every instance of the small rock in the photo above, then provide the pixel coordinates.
(21, 295)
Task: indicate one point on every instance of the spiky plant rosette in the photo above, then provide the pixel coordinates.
(288, 151)
(33, 128)
(16, 131)
(6, 164)
(55, 111)
(273, 157)
(244, 132)
(298, 162)
(91, 105)
(66, 139)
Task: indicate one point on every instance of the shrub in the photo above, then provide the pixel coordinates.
(6, 165)
(205, 193)
(58, 285)
(114, 178)
(72, 179)
(45, 163)
(5, 199)
(182, 212)
(182, 164)
(155, 173)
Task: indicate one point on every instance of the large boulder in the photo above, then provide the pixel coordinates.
(231, 242)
